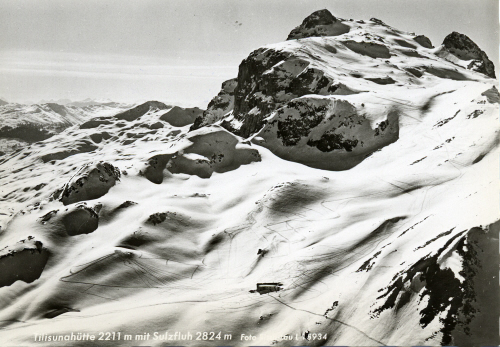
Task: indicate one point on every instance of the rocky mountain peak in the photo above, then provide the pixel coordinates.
(456, 40)
(320, 17)
(319, 23)
(463, 48)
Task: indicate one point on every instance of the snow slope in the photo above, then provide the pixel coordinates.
(131, 224)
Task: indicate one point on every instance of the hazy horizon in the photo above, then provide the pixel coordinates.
(181, 52)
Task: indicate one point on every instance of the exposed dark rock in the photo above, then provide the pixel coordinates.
(325, 133)
(95, 122)
(28, 132)
(477, 320)
(446, 73)
(23, 261)
(98, 137)
(48, 216)
(423, 41)
(140, 110)
(157, 218)
(371, 49)
(383, 80)
(91, 182)
(213, 152)
(330, 141)
(219, 106)
(246, 92)
(39, 186)
(406, 44)
(157, 125)
(378, 21)
(492, 95)
(82, 220)
(155, 167)
(445, 296)
(464, 48)
(319, 23)
(60, 109)
(82, 146)
(126, 204)
(218, 148)
(475, 114)
(320, 17)
(414, 72)
(179, 117)
(367, 265)
(286, 77)
(292, 129)
(58, 311)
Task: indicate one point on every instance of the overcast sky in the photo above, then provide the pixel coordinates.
(180, 51)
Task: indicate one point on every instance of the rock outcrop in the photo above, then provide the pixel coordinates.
(91, 182)
(319, 23)
(179, 116)
(23, 261)
(80, 220)
(326, 133)
(209, 150)
(268, 79)
(423, 41)
(141, 110)
(464, 49)
(219, 106)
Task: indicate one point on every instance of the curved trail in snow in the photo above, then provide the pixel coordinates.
(333, 319)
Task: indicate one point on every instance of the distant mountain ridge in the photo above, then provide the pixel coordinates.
(20, 124)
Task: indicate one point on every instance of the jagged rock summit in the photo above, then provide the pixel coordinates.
(319, 23)
(467, 53)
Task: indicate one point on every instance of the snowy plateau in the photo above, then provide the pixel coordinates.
(341, 190)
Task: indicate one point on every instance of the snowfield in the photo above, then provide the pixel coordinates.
(355, 174)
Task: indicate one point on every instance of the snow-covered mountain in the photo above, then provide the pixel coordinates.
(23, 124)
(340, 191)
(93, 102)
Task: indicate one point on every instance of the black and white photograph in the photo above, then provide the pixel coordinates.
(249, 173)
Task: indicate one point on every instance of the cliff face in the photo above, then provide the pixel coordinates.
(219, 106)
